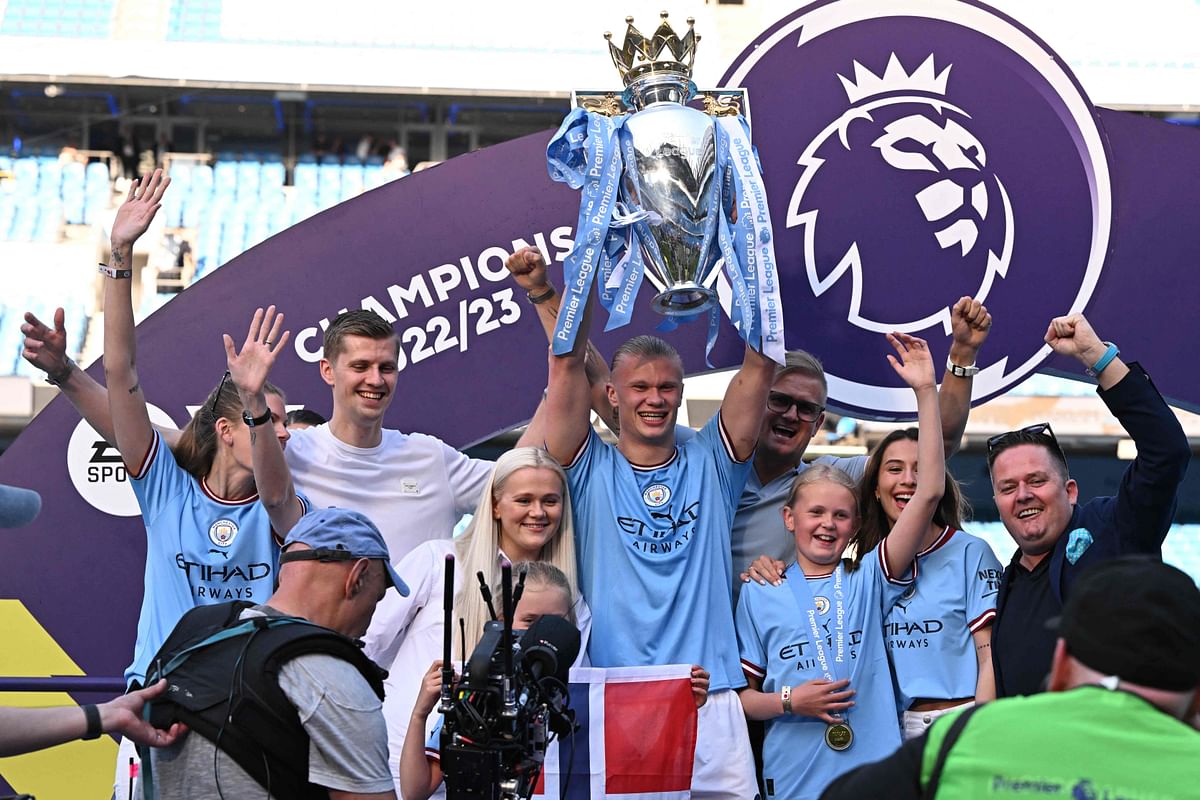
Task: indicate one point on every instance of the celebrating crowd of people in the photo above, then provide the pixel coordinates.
(833, 612)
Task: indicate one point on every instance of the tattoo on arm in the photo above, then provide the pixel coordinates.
(135, 388)
(118, 259)
(253, 436)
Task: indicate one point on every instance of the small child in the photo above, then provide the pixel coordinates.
(813, 641)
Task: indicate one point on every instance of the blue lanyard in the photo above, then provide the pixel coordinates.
(835, 666)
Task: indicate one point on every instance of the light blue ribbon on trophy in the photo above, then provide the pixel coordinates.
(584, 155)
(754, 230)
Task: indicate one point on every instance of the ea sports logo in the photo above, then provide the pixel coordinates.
(98, 472)
(915, 152)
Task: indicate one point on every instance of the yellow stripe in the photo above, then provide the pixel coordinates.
(67, 772)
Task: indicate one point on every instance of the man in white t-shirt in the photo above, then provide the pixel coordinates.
(414, 487)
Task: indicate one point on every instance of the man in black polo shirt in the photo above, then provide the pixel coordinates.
(1057, 538)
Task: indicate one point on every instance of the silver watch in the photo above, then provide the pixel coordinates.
(961, 372)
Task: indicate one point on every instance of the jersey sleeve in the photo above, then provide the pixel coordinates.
(466, 476)
(854, 466)
(891, 587)
(344, 721)
(750, 646)
(159, 479)
(983, 582)
(732, 472)
(422, 570)
(433, 743)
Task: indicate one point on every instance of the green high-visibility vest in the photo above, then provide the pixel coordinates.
(1085, 744)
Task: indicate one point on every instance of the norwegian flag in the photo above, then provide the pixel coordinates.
(636, 741)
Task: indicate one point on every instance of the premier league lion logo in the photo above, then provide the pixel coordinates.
(943, 216)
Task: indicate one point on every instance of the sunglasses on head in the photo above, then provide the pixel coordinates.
(212, 407)
(1026, 435)
(779, 403)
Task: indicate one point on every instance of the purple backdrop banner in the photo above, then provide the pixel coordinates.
(913, 152)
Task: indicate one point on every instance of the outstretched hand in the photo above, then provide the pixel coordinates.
(915, 364)
(138, 210)
(528, 269)
(45, 347)
(264, 340)
(123, 715)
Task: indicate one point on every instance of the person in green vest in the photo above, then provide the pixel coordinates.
(1124, 684)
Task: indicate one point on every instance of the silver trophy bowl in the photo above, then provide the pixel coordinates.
(675, 150)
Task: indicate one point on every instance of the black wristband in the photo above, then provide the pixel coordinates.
(113, 272)
(538, 299)
(92, 714)
(253, 421)
(59, 378)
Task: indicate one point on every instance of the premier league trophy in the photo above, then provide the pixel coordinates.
(670, 192)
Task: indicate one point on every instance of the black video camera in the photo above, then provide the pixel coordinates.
(513, 697)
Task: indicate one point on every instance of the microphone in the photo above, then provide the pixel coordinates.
(549, 647)
(447, 698)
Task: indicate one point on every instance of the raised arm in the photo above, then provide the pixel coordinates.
(420, 777)
(745, 402)
(913, 363)
(249, 369)
(127, 404)
(529, 271)
(46, 349)
(971, 323)
(568, 399)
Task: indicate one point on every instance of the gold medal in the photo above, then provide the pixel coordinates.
(838, 736)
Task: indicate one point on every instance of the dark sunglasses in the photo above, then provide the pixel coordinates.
(779, 403)
(212, 407)
(1027, 435)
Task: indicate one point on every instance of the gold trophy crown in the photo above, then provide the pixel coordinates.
(639, 56)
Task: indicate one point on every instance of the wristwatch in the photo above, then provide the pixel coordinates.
(961, 372)
(254, 422)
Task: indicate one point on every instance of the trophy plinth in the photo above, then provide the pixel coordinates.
(684, 299)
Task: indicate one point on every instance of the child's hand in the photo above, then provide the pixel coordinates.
(915, 364)
(822, 699)
(431, 691)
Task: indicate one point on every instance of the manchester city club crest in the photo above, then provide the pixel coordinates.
(822, 604)
(919, 152)
(223, 532)
(657, 495)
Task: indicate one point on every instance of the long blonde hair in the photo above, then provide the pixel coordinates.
(478, 549)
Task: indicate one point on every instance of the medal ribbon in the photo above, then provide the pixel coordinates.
(835, 666)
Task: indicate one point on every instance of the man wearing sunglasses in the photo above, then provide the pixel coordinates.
(1055, 537)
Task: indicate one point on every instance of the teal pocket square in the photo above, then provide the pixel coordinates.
(1078, 541)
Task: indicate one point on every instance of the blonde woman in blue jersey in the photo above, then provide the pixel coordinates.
(217, 507)
(812, 644)
(939, 634)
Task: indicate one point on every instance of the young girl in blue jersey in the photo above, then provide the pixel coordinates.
(939, 634)
(211, 507)
(812, 644)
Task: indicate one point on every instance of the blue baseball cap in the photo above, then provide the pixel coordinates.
(339, 534)
(18, 507)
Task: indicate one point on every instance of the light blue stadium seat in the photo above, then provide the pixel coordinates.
(373, 177)
(271, 177)
(352, 181)
(248, 175)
